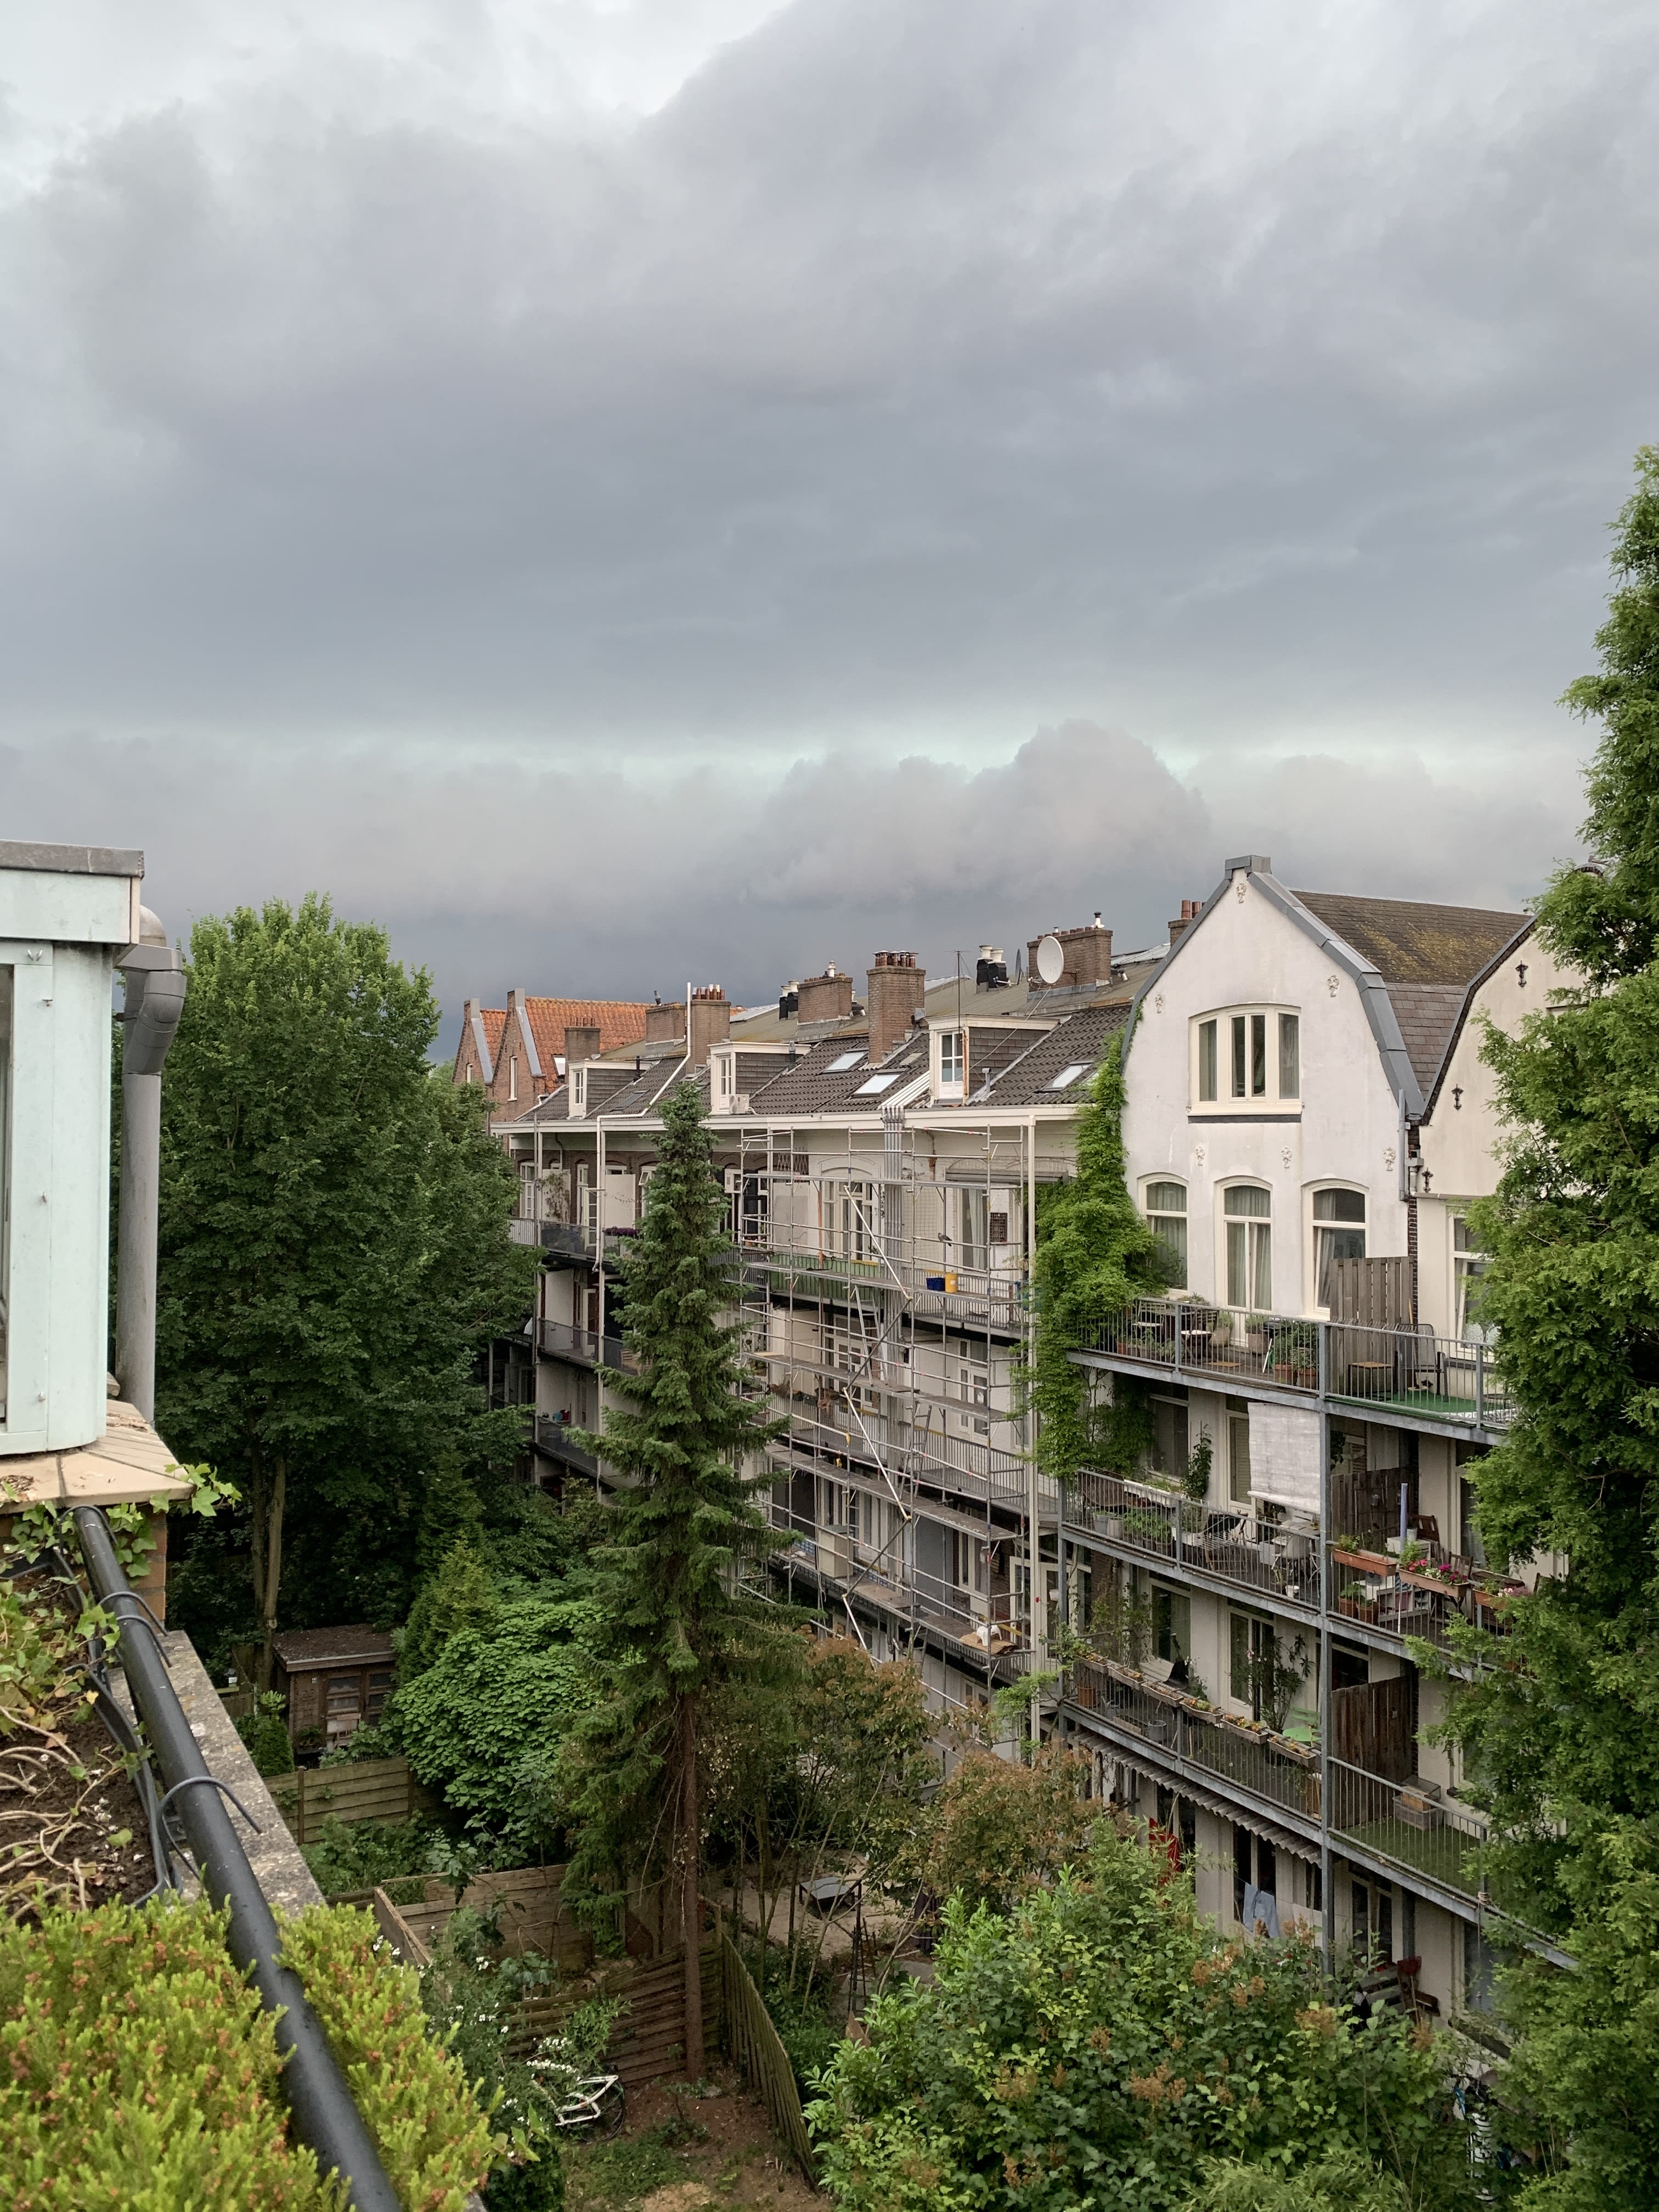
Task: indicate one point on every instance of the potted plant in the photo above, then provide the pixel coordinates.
(1255, 1332)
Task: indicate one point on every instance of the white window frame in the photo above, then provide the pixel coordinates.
(952, 1067)
(1312, 1233)
(1152, 1217)
(1252, 1225)
(1227, 1104)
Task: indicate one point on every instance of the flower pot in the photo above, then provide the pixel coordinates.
(1110, 1525)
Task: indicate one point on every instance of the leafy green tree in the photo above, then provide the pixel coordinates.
(333, 1251)
(462, 1595)
(484, 1721)
(1094, 1255)
(1001, 1826)
(684, 1531)
(1098, 2048)
(1559, 1724)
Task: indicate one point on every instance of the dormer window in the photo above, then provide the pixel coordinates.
(952, 1059)
(1248, 1060)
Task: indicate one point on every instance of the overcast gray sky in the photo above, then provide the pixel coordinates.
(635, 490)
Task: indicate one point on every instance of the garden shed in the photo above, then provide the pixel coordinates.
(334, 1679)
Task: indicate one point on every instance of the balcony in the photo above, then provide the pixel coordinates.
(996, 1298)
(1402, 1375)
(1232, 1549)
(1435, 1842)
(585, 1348)
(932, 1455)
(553, 1440)
(1427, 1597)
(1262, 1770)
(842, 1568)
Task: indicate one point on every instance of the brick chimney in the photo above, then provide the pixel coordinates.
(1088, 955)
(711, 1021)
(1190, 910)
(897, 986)
(580, 1044)
(663, 1024)
(826, 998)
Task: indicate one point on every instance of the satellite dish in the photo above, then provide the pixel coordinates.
(1050, 960)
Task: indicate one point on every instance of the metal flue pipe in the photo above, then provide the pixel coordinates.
(324, 2115)
(154, 1001)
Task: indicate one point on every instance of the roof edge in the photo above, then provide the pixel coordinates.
(1476, 985)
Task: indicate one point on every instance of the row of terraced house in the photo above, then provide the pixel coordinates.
(1308, 1119)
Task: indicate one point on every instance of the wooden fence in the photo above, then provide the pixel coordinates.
(648, 2040)
(383, 1789)
(532, 1918)
(752, 2042)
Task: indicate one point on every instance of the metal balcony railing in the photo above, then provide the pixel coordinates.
(1255, 1553)
(554, 1439)
(559, 1341)
(1407, 1371)
(904, 1450)
(846, 1566)
(1427, 1599)
(1424, 1833)
(1265, 1767)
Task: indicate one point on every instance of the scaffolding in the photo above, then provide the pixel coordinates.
(885, 1307)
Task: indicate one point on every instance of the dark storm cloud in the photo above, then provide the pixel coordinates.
(414, 489)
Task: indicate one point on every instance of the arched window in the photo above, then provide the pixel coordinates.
(1338, 1234)
(1250, 1247)
(1166, 1211)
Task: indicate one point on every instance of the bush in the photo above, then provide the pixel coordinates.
(371, 1854)
(807, 2029)
(265, 1731)
(138, 2074)
(1098, 2048)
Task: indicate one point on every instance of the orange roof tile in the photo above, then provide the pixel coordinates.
(619, 1021)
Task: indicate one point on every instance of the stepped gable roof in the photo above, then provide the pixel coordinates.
(815, 1084)
(1408, 941)
(1079, 1040)
(1429, 958)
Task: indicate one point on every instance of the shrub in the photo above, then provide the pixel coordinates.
(1098, 2047)
(265, 1731)
(369, 1855)
(138, 2074)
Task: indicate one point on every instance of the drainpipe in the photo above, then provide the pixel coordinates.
(153, 972)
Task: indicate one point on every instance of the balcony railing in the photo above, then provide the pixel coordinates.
(1409, 1372)
(1249, 1550)
(1266, 1767)
(1421, 1831)
(1427, 1600)
(845, 1565)
(586, 1346)
(934, 1456)
(998, 1296)
(554, 1439)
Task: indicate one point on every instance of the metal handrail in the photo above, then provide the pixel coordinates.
(325, 2116)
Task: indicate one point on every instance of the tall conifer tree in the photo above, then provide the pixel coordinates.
(685, 1527)
(1560, 1726)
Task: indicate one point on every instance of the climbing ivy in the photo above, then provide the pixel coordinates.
(1094, 1255)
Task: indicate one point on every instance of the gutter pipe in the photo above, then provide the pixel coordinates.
(326, 2118)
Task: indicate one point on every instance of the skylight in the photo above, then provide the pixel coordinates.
(1068, 1076)
(876, 1082)
(843, 1062)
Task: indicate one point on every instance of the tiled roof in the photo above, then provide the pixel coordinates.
(809, 1087)
(1428, 1014)
(1079, 1039)
(1410, 943)
(648, 1088)
(495, 1023)
(618, 1021)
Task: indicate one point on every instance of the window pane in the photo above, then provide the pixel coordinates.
(1258, 1056)
(1166, 1198)
(1244, 1201)
(1171, 1231)
(1206, 1062)
(1289, 1056)
(1235, 1235)
(1262, 1293)
(1331, 1244)
(1238, 1453)
(1238, 1055)
(1339, 1206)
